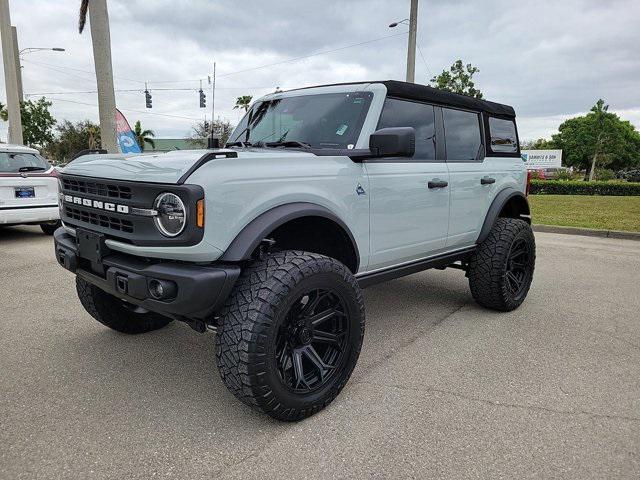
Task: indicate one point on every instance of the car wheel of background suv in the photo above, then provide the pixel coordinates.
(290, 333)
(49, 228)
(501, 269)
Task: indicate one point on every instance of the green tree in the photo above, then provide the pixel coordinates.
(72, 138)
(243, 102)
(143, 136)
(539, 144)
(458, 79)
(37, 122)
(598, 139)
(201, 130)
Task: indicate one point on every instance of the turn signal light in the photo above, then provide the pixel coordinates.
(200, 213)
(529, 175)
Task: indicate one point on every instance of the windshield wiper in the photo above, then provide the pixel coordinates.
(288, 144)
(238, 144)
(30, 169)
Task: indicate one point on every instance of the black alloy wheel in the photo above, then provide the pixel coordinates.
(311, 342)
(518, 268)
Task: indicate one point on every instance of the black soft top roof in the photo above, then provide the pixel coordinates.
(414, 91)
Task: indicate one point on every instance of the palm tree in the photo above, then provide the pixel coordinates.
(101, 39)
(143, 136)
(84, 7)
(243, 102)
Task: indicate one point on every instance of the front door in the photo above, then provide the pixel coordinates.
(408, 197)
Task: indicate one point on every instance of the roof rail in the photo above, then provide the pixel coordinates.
(88, 151)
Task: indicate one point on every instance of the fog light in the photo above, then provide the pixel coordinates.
(162, 289)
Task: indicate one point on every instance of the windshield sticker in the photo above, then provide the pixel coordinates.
(342, 129)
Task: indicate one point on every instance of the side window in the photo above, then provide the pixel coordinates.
(462, 134)
(503, 135)
(403, 113)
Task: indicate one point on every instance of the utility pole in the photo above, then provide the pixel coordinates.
(16, 52)
(101, 38)
(10, 76)
(213, 96)
(411, 50)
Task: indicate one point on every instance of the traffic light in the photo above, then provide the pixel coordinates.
(203, 99)
(147, 98)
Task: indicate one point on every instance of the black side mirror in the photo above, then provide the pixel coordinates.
(393, 142)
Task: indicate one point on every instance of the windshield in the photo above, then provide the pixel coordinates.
(331, 120)
(14, 162)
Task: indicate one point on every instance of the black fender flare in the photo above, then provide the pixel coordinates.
(253, 233)
(496, 207)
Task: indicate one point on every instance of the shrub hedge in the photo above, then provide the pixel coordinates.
(579, 187)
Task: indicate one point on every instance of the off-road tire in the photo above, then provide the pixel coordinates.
(489, 264)
(114, 313)
(49, 228)
(252, 316)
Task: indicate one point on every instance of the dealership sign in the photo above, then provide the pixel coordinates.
(542, 158)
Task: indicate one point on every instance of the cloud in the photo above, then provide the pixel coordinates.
(548, 59)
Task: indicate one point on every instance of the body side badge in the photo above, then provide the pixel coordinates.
(360, 190)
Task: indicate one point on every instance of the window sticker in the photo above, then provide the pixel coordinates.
(341, 129)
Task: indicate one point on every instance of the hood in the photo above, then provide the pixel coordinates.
(157, 168)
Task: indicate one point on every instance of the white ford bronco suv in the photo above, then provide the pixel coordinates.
(319, 192)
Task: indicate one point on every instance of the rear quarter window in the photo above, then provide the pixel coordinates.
(503, 135)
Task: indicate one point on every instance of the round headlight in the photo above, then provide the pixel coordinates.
(172, 216)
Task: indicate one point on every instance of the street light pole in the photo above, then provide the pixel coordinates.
(10, 76)
(411, 50)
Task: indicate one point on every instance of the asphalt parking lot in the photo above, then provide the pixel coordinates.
(443, 388)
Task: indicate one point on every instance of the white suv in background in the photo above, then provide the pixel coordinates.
(28, 189)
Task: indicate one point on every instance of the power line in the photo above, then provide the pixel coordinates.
(139, 90)
(281, 62)
(80, 70)
(293, 59)
(131, 110)
(424, 61)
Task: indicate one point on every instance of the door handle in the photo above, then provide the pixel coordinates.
(487, 181)
(437, 183)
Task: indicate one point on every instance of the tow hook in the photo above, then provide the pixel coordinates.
(199, 326)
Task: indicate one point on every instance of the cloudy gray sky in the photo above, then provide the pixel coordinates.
(549, 59)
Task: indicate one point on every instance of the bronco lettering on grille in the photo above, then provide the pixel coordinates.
(98, 204)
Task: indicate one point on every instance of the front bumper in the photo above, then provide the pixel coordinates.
(37, 214)
(200, 289)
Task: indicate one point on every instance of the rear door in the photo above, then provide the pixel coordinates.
(472, 181)
(408, 197)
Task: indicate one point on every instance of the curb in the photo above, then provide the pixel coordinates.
(587, 232)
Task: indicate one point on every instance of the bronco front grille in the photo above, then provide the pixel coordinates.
(102, 220)
(97, 188)
(119, 209)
